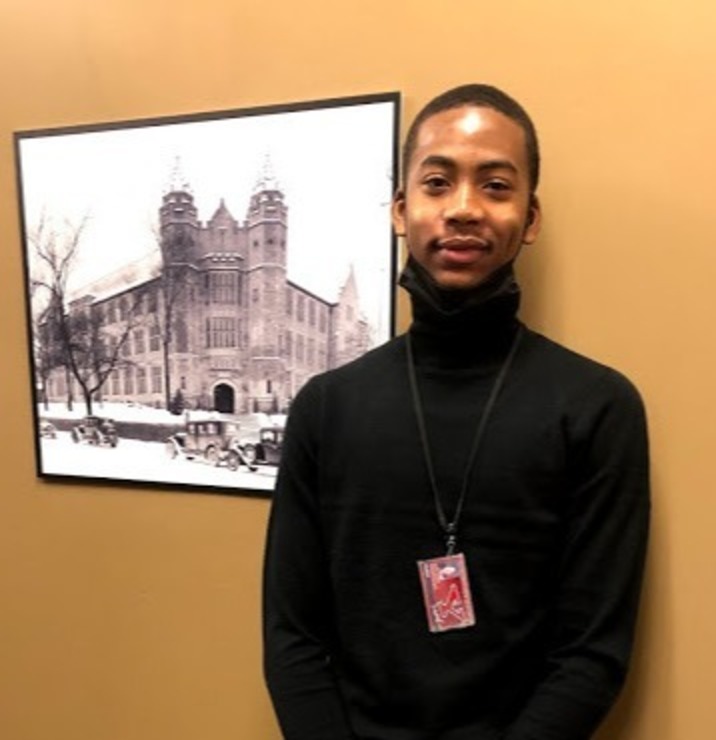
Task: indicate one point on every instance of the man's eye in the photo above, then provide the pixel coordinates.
(435, 183)
(498, 186)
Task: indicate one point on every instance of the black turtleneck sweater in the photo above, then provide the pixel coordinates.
(553, 530)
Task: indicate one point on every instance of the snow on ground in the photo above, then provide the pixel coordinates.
(148, 414)
(144, 461)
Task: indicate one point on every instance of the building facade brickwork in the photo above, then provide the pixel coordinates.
(215, 323)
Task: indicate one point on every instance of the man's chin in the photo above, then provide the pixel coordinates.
(457, 281)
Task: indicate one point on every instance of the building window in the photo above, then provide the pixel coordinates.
(152, 301)
(221, 332)
(224, 288)
(311, 359)
(154, 337)
(322, 319)
(300, 352)
(312, 313)
(115, 383)
(181, 335)
(300, 307)
(156, 379)
(141, 380)
(289, 302)
(289, 344)
(139, 341)
(128, 381)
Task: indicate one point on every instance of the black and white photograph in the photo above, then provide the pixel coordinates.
(187, 276)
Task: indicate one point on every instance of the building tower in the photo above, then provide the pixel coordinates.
(266, 222)
(349, 335)
(221, 267)
(179, 239)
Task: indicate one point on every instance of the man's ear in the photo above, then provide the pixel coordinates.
(397, 213)
(534, 221)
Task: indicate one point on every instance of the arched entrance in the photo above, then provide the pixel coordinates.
(224, 399)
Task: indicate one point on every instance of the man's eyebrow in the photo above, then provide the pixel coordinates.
(497, 164)
(439, 160)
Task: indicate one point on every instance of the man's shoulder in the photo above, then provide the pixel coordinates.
(378, 365)
(561, 366)
(377, 360)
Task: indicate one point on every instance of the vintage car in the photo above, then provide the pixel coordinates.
(267, 451)
(96, 430)
(215, 441)
(47, 429)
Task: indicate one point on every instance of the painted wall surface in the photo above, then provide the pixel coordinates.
(135, 613)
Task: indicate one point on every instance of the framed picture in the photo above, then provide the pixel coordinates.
(186, 276)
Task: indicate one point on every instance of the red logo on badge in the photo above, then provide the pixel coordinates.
(446, 592)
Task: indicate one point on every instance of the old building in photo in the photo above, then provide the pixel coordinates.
(213, 321)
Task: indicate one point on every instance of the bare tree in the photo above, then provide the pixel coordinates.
(53, 256)
(47, 350)
(174, 285)
(91, 355)
(70, 334)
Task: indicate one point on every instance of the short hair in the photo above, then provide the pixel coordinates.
(479, 96)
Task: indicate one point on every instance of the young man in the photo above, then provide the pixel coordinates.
(458, 531)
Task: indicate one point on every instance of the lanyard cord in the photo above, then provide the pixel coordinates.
(450, 527)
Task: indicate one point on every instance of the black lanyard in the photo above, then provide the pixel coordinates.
(450, 527)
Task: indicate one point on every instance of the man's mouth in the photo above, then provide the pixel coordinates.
(462, 248)
(463, 243)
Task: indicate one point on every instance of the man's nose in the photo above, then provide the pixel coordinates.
(465, 206)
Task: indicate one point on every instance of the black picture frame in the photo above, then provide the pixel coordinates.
(186, 275)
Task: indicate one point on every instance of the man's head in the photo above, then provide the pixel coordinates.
(484, 96)
(470, 170)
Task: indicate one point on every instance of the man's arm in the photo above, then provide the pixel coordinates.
(297, 593)
(601, 571)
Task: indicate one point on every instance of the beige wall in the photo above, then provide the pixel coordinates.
(134, 613)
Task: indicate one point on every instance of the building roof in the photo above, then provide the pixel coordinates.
(124, 278)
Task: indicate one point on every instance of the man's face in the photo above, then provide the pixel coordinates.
(466, 209)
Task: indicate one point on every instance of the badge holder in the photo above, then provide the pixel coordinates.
(446, 593)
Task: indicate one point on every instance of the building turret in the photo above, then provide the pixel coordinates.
(267, 202)
(266, 222)
(178, 221)
(178, 321)
(350, 335)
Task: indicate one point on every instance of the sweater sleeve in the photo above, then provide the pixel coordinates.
(601, 572)
(297, 601)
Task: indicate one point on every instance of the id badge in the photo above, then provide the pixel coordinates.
(446, 592)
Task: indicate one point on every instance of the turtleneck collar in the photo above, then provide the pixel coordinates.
(456, 327)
